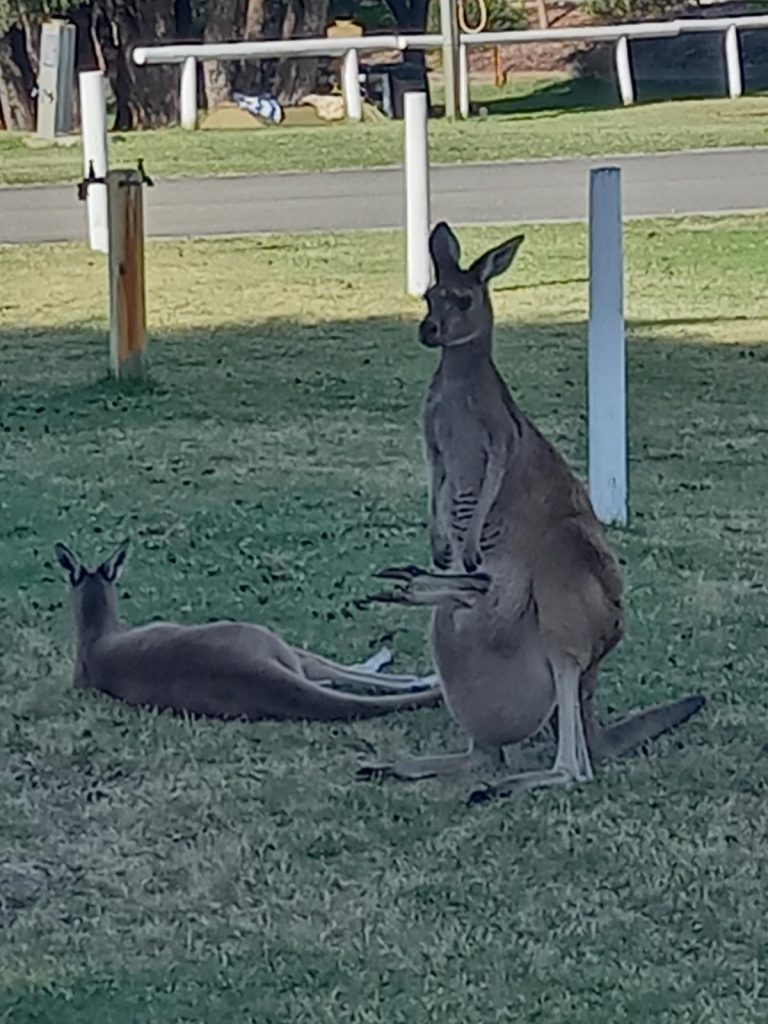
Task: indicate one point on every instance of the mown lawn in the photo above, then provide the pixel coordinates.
(158, 870)
(531, 117)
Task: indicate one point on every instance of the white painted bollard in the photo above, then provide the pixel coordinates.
(733, 62)
(624, 71)
(188, 94)
(93, 125)
(463, 81)
(350, 86)
(606, 350)
(417, 193)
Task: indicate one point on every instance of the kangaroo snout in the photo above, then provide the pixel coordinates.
(429, 332)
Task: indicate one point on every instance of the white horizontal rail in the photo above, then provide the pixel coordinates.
(633, 30)
(589, 33)
(326, 47)
(189, 53)
(177, 53)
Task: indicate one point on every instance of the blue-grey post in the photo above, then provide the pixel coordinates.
(606, 351)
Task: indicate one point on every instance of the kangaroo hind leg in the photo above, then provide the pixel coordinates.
(572, 763)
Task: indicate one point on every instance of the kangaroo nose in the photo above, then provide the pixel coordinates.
(428, 332)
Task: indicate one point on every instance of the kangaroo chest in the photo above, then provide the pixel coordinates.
(460, 439)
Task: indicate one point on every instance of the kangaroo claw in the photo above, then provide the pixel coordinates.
(399, 572)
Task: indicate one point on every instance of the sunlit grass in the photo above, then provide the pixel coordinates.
(531, 117)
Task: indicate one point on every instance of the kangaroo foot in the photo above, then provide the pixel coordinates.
(411, 769)
(521, 783)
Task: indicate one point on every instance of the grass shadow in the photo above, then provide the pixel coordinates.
(589, 93)
(264, 473)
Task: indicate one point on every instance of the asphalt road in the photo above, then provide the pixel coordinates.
(708, 181)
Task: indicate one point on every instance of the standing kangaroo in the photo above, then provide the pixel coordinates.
(526, 637)
(221, 669)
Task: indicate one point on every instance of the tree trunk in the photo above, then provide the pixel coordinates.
(145, 97)
(295, 77)
(183, 14)
(32, 33)
(222, 25)
(255, 75)
(17, 108)
(411, 17)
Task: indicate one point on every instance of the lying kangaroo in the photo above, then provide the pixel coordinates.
(527, 638)
(222, 669)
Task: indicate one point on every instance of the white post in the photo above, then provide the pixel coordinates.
(93, 125)
(606, 356)
(350, 86)
(188, 94)
(463, 81)
(733, 62)
(624, 71)
(417, 193)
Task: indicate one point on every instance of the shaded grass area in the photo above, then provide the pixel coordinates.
(531, 117)
(158, 869)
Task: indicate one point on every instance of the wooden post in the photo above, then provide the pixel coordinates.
(499, 77)
(127, 312)
(606, 357)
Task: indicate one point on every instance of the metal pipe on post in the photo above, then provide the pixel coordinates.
(449, 29)
(733, 62)
(188, 94)
(93, 122)
(350, 86)
(416, 163)
(127, 305)
(624, 71)
(606, 351)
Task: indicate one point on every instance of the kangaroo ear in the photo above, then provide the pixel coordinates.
(444, 248)
(497, 260)
(111, 568)
(69, 562)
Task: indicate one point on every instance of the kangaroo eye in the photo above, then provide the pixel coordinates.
(464, 302)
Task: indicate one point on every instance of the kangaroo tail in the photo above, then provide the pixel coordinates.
(642, 726)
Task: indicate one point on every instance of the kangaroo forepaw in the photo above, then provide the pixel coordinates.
(472, 557)
(399, 572)
(443, 559)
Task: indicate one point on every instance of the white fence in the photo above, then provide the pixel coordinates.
(188, 54)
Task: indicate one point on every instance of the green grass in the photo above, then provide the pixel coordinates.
(533, 117)
(158, 870)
